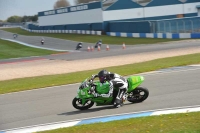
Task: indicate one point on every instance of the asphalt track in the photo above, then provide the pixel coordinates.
(115, 50)
(175, 87)
(168, 88)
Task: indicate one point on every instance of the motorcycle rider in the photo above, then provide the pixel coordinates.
(79, 45)
(15, 36)
(42, 41)
(98, 43)
(115, 80)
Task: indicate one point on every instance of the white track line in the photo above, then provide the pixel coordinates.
(63, 124)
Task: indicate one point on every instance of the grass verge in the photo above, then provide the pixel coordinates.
(62, 79)
(14, 50)
(93, 38)
(172, 123)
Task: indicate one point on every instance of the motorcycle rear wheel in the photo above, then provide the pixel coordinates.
(138, 95)
(77, 103)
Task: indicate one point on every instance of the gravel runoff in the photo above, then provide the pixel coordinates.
(50, 67)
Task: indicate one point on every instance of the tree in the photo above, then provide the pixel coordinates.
(14, 19)
(29, 18)
(61, 3)
(1, 23)
(34, 18)
(25, 18)
(84, 1)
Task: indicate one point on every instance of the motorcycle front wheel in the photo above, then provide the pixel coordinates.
(138, 95)
(77, 103)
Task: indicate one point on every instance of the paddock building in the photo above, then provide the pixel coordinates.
(128, 16)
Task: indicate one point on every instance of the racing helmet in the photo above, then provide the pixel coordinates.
(103, 75)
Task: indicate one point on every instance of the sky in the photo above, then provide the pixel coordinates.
(25, 7)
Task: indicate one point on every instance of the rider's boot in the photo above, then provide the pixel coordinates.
(120, 99)
(118, 102)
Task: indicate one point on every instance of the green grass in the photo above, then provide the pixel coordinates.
(14, 50)
(93, 38)
(62, 79)
(172, 123)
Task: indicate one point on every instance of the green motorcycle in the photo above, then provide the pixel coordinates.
(85, 98)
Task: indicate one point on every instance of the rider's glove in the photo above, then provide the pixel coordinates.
(92, 90)
(92, 77)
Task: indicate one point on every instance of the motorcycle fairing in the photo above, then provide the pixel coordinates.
(134, 81)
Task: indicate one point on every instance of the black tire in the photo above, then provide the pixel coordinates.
(138, 95)
(77, 103)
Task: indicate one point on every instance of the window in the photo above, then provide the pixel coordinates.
(183, 1)
(179, 15)
(107, 3)
(142, 2)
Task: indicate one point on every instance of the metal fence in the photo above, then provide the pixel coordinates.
(11, 24)
(184, 25)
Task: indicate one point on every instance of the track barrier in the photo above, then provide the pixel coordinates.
(99, 48)
(88, 49)
(107, 48)
(123, 46)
